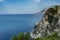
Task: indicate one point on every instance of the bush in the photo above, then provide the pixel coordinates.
(26, 36)
(14, 37)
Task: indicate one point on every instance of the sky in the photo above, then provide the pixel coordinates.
(25, 6)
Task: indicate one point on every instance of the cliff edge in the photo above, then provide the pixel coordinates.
(49, 23)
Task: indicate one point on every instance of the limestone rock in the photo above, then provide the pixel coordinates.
(49, 23)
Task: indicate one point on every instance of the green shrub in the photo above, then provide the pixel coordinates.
(14, 37)
(26, 36)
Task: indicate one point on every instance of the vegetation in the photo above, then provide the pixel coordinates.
(52, 14)
(52, 19)
(26, 36)
(21, 36)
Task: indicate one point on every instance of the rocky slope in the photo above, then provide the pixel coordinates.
(49, 23)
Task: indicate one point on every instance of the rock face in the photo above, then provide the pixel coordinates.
(49, 23)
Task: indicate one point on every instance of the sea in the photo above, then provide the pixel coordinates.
(11, 24)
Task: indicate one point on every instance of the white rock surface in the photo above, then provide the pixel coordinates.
(43, 27)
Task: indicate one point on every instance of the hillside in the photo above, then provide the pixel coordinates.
(49, 23)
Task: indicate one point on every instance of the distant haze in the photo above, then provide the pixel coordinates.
(25, 6)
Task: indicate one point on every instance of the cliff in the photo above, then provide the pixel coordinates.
(49, 23)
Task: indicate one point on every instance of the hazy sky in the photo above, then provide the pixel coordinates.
(25, 6)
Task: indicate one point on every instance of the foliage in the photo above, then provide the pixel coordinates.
(26, 36)
(14, 37)
(52, 19)
(21, 36)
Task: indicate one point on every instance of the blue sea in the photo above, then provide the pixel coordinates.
(11, 24)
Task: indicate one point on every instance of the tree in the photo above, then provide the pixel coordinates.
(21, 36)
(14, 38)
(27, 36)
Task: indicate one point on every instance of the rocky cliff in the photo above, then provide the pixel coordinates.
(49, 23)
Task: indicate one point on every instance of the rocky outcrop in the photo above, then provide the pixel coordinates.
(49, 23)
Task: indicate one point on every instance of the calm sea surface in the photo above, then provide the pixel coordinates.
(15, 23)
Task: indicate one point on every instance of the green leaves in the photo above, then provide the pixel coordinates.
(21, 36)
(14, 37)
(26, 36)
